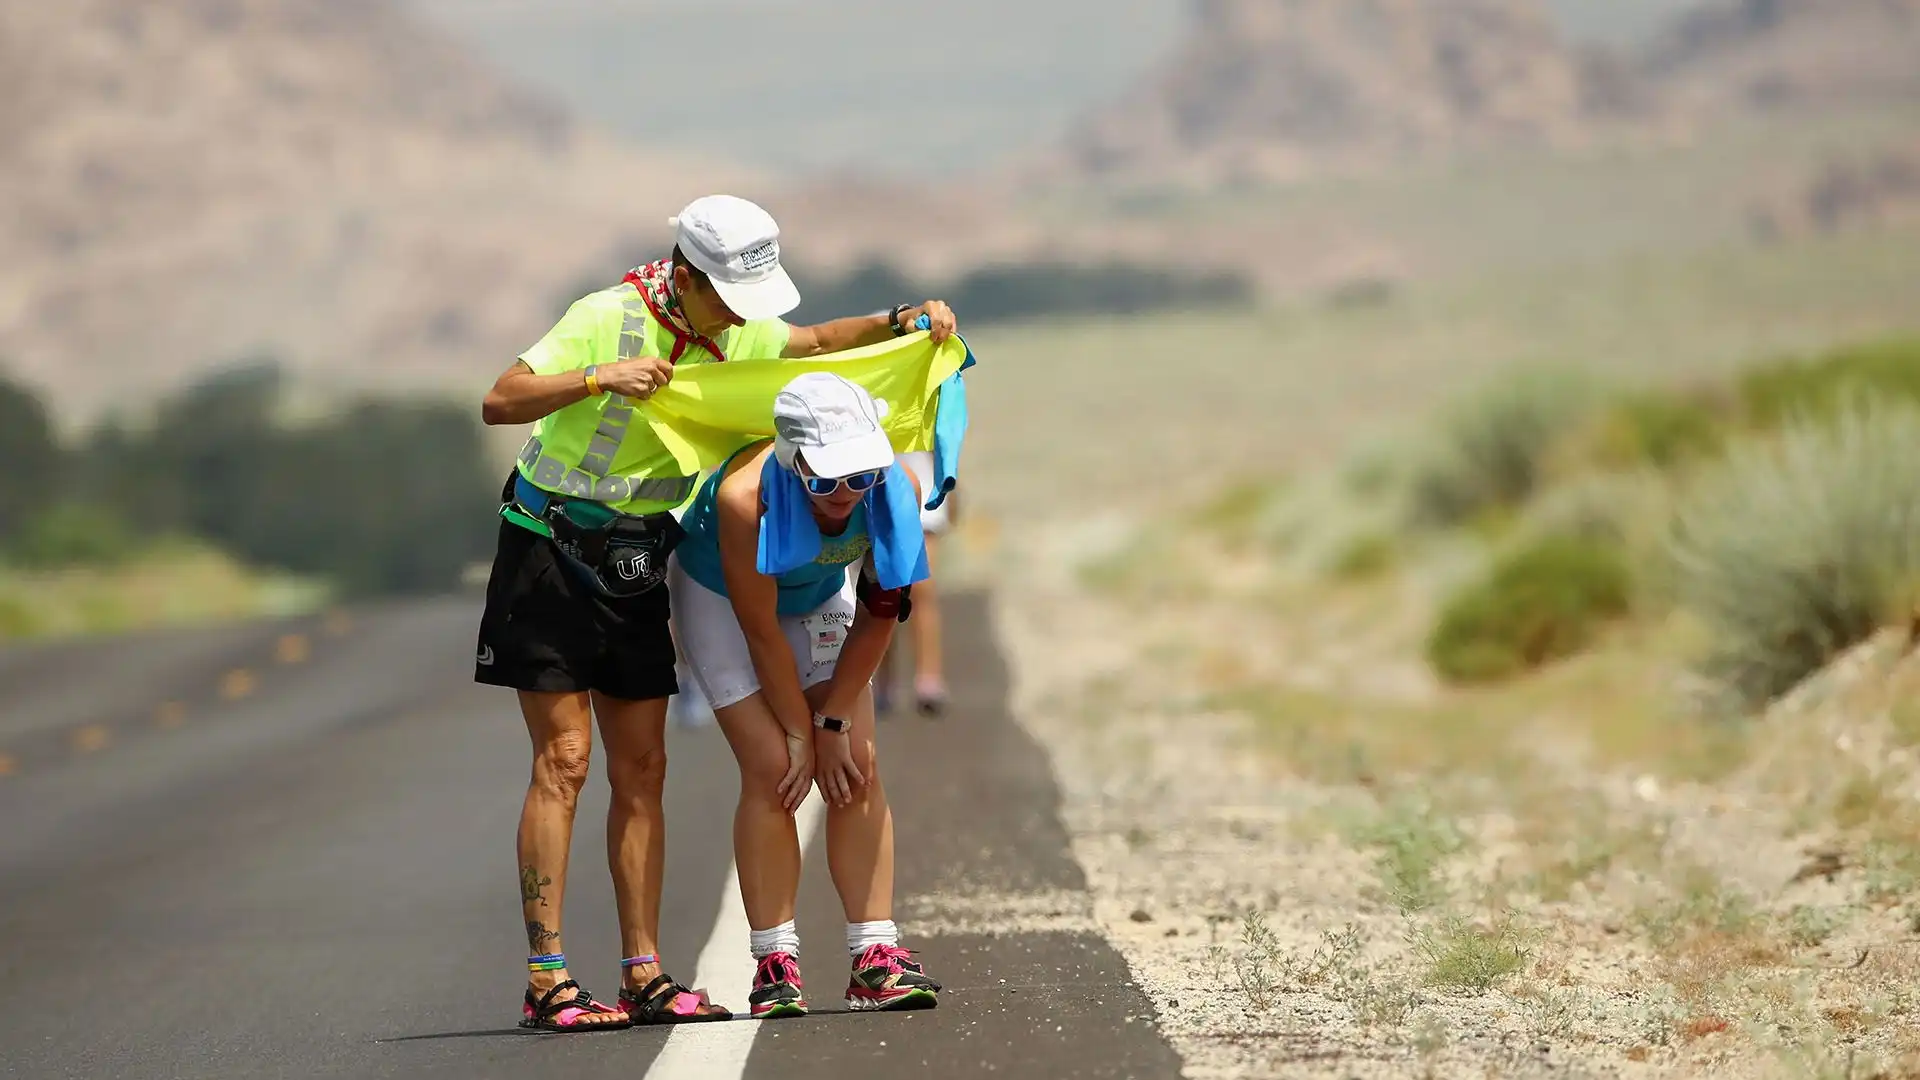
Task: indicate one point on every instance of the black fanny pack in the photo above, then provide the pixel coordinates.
(620, 555)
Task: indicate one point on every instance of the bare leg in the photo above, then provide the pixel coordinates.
(560, 727)
(766, 844)
(635, 736)
(860, 834)
(929, 676)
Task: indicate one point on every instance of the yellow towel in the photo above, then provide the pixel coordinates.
(708, 411)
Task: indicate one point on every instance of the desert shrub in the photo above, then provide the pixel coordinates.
(1473, 959)
(1489, 450)
(1374, 470)
(1649, 428)
(1244, 510)
(1363, 557)
(1543, 600)
(1773, 394)
(1798, 547)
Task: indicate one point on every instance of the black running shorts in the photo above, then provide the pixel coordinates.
(546, 629)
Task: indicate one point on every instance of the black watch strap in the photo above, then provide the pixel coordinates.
(831, 723)
(893, 317)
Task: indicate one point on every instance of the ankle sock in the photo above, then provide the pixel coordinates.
(861, 935)
(783, 938)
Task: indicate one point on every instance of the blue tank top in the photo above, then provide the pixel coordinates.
(802, 590)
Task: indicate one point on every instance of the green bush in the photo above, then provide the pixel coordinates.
(1542, 601)
(1774, 394)
(32, 454)
(1794, 549)
(76, 534)
(380, 496)
(1012, 291)
(1654, 428)
(1363, 557)
(1489, 452)
(1239, 513)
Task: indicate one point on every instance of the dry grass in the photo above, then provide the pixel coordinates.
(1570, 812)
(170, 587)
(1611, 707)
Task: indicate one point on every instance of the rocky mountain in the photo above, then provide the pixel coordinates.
(1742, 54)
(325, 181)
(1873, 190)
(1264, 90)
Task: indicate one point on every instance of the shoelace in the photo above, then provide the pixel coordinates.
(893, 956)
(779, 968)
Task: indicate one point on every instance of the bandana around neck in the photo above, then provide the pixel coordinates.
(655, 282)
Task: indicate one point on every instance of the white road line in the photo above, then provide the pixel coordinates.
(719, 1051)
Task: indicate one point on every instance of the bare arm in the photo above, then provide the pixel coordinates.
(755, 597)
(520, 397)
(851, 333)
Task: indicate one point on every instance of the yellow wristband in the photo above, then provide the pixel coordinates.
(593, 384)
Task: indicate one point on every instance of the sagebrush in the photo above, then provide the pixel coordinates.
(1795, 549)
(1490, 450)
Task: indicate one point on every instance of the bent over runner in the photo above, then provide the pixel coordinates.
(785, 642)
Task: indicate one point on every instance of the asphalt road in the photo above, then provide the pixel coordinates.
(286, 850)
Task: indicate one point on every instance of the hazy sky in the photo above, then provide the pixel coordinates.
(906, 85)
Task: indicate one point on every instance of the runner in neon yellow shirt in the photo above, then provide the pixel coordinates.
(576, 617)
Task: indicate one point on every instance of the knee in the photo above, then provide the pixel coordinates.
(641, 775)
(560, 767)
(760, 778)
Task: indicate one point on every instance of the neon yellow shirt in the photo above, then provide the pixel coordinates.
(599, 448)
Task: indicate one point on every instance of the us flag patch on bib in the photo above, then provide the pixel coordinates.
(826, 632)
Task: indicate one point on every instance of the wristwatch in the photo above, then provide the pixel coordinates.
(893, 317)
(831, 723)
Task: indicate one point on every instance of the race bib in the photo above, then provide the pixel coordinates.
(826, 633)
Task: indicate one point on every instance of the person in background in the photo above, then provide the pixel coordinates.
(923, 631)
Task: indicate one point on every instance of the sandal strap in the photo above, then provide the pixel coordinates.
(659, 995)
(546, 1006)
(588, 1002)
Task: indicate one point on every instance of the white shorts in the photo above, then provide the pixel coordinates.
(716, 650)
(920, 463)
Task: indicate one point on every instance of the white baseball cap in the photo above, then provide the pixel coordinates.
(737, 245)
(832, 424)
